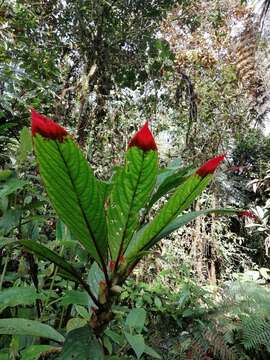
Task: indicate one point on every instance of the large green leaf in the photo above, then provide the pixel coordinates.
(183, 197)
(45, 253)
(18, 296)
(130, 193)
(18, 326)
(81, 344)
(136, 319)
(186, 218)
(136, 342)
(168, 180)
(74, 191)
(105, 188)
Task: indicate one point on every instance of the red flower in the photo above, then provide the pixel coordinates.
(46, 127)
(143, 139)
(210, 166)
(248, 213)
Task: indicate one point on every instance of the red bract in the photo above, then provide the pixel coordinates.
(143, 139)
(248, 213)
(210, 166)
(46, 127)
(112, 265)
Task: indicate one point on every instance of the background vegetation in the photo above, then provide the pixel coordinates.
(195, 70)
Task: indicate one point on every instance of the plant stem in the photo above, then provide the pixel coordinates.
(4, 271)
(61, 318)
(53, 279)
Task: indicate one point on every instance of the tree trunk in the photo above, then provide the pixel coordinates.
(212, 252)
(198, 245)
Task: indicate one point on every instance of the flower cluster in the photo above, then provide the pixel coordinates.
(143, 139)
(47, 127)
(210, 166)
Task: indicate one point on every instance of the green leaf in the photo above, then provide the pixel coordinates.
(75, 297)
(9, 220)
(186, 218)
(114, 336)
(83, 312)
(95, 275)
(45, 253)
(158, 302)
(136, 319)
(106, 188)
(131, 191)
(62, 232)
(5, 174)
(25, 145)
(18, 296)
(137, 343)
(183, 197)
(33, 352)
(107, 344)
(74, 191)
(168, 181)
(81, 344)
(12, 186)
(151, 352)
(18, 326)
(75, 323)
(4, 355)
(7, 242)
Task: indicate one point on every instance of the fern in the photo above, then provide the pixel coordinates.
(236, 328)
(256, 332)
(211, 339)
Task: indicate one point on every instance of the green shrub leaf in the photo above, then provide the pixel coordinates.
(18, 296)
(136, 319)
(81, 344)
(18, 326)
(75, 297)
(183, 197)
(45, 253)
(187, 218)
(130, 192)
(169, 180)
(74, 191)
(137, 343)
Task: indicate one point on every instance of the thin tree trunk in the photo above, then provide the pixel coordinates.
(212, 254)
(197, 247)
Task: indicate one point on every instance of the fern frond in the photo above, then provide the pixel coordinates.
(256, 332)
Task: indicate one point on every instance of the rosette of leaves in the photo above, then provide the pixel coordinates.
(108, 219)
